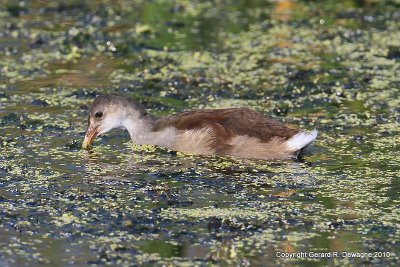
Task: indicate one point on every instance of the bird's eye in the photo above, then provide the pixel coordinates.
(98, 114)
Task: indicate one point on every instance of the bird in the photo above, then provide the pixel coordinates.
(233, 132)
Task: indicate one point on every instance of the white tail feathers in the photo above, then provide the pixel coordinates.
(301, 140)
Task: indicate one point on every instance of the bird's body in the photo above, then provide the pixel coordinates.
(236, 132)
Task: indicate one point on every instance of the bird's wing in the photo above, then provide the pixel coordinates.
(228, 123)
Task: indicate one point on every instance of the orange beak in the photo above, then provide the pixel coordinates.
(91, 134)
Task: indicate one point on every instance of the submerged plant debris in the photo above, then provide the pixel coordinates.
(311, 64)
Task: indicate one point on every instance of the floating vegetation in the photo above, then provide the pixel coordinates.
(334, 67)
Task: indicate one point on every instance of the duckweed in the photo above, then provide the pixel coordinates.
(309, 64)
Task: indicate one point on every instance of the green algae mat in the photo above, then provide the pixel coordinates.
(330, 65)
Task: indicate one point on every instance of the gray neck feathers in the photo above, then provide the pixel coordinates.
(140, 124)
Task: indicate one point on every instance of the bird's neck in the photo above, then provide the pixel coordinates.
(141, 132)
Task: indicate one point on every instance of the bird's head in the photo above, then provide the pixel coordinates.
(108, 112)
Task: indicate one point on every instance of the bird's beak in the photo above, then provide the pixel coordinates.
(91, 134)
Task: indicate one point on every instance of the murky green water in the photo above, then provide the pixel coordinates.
(311, 64)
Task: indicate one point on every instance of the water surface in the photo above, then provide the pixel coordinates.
(311, 64)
